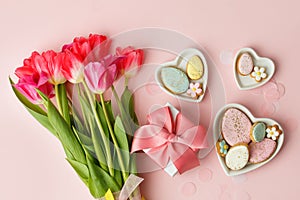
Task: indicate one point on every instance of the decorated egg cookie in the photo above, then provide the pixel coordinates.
(261, 151)
(258, 132)
(194, 68)
(237, 157)
(175, 80)
(236, 127)
(245, 64)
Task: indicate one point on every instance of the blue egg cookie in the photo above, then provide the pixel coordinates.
(174, 79)
(258, 132)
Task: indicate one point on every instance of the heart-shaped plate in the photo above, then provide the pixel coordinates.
(217, 136)
(247, 82)
(180, 63)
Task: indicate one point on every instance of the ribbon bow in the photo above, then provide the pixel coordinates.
(165, 138)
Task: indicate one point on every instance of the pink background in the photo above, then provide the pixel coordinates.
(32, 161)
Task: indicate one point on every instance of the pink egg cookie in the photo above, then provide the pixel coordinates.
(236, 127)
(245, 64)
(261, 151)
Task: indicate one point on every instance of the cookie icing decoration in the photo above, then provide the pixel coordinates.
(261, 151)
(222, 147)
(273, 132)
(237, 157)
(245, 64)
(258, 132)
(175, 80)
(259, 73)
(236, 127)
(195, 90)
(194, 68)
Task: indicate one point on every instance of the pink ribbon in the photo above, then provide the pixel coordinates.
(165, 138)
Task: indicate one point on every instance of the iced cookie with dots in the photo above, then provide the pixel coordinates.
(245, 64)
(236, 127)
(237, 157)
(261, 151)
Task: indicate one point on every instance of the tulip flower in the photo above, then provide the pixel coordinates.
(100, 76)
(53, 67)
(72, 67)
(31, 66)
(80, 53)
(28, 85)
(32, 76)
(131, 59)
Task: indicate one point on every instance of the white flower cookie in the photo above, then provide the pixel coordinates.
(259, 73)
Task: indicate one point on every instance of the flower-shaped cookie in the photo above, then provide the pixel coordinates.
(195, 90)
(273, 132)
(222, 148)
(259, 73)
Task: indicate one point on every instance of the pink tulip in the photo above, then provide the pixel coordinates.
(72, 67)
(53, 67)
(28, 85)
(100, 76)
(132, 60)
(81, 52)
(32, 76)
(31, 66)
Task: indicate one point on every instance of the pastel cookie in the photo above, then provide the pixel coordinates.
(273, 132)
(259, 74)
(237, 157)
(222, 148)
(175, 80)
(236, 127)
(258, 132)
(245, 64)
(261, 151)
(194, 68)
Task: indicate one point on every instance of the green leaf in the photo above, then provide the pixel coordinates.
(128, 115)
(65, 133)
(100, 181)
(122, 140)
(43, 120)
(102, 119)
(35, 110)
(84, 139)
(95, 136)
(118, 177)
(81, 169)
(110, 112)
(87, 113)
(25, 101)
(62, 94)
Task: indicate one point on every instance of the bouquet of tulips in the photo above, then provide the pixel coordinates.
(64, 91)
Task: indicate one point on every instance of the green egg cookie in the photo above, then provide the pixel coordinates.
(258, 132)
(175, 80)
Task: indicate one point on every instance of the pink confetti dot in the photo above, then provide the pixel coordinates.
(268, 108)
(281, 89)
(189, 189)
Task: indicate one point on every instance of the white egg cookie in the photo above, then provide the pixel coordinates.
(237, 157)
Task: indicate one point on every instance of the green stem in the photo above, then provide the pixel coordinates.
(123, 170)
(105, 139)
(122, 112)
(58, 99)
(126, 81)
(117, 98)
